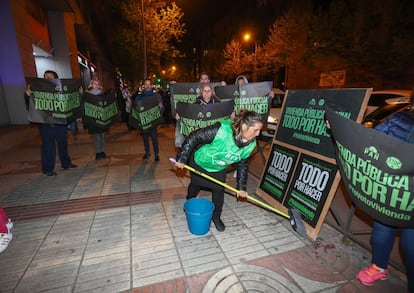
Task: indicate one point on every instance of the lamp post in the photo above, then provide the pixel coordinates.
(144, 39)
(247, 37)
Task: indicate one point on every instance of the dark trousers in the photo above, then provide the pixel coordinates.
(53, 134)
(217, 197)
(154, 137)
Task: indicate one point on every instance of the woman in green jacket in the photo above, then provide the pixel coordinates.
(212, 149)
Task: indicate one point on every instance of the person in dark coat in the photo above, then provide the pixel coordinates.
(52, 134)
(401, 126)
(148, 93)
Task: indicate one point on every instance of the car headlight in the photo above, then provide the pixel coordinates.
(272, 120)
(368, 124)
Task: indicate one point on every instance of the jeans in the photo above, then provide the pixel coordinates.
(382, 240)
(98, 142)
(51, 134)
(154, 137)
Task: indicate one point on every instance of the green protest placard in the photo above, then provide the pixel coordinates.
(377, 170)
(228, 92)
(54, 101)
(278, 171)
(303, 119)
(311, 184)
(146, 114)
(251, 96)
(100, 111)
(185, 92)
(195, 116)
(254, 97)
(302, 133)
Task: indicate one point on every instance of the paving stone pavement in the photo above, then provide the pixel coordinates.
(118, 225)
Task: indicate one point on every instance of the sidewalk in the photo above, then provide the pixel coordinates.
(118, 225)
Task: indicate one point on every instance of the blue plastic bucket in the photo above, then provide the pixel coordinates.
(199, 212)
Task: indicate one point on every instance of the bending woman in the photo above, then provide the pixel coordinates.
(213, 148)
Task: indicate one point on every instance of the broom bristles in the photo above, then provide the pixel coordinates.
(296, 222)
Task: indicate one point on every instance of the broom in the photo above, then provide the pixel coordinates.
(293, 214)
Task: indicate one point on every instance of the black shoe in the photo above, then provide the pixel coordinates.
(146, 157)
(157, 159)
(50, 173)
(71, 166)
(219, 225)
(100, 156)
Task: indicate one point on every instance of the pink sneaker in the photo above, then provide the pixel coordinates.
(371, 274)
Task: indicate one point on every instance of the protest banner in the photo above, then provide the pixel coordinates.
(254, 97)
(100, 111)
(55, 101)
(251, 96)
(301, 170)
(377, 170)
(146, 114)
(227, 92)
(195, 116)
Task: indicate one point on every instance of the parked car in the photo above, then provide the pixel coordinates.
(275, 113)
(381, 98)
(383, 104)
(382, 113)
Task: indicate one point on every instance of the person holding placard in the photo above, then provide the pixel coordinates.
(401, 126)
(52, 134)
(148, 93)
(98, 134)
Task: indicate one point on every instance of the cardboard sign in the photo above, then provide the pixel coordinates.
(186, 92)
(55, 101)
(100, 111)
(308, 177)
(303, 122)
(377, 169)
(195, 116)
(309, 188)
(146, 114)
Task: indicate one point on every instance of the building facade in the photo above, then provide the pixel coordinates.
(38, 35)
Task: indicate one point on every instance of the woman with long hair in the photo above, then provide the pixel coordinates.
(212, 149)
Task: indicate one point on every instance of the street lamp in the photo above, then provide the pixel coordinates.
(144, 40)
(247, 38)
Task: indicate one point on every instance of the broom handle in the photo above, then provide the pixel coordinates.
(250, 198)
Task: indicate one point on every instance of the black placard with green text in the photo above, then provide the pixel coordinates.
(55, 101)
(377, 170)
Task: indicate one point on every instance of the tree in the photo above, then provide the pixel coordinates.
(161, 25)
(374, 41)
(287, 43)
(235, 62)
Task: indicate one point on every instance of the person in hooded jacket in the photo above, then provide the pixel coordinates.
(241, 79)
(401, 126)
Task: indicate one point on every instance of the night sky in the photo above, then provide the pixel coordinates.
(213, 23)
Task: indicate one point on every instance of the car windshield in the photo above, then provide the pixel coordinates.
(380, 99)
(383, 112)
